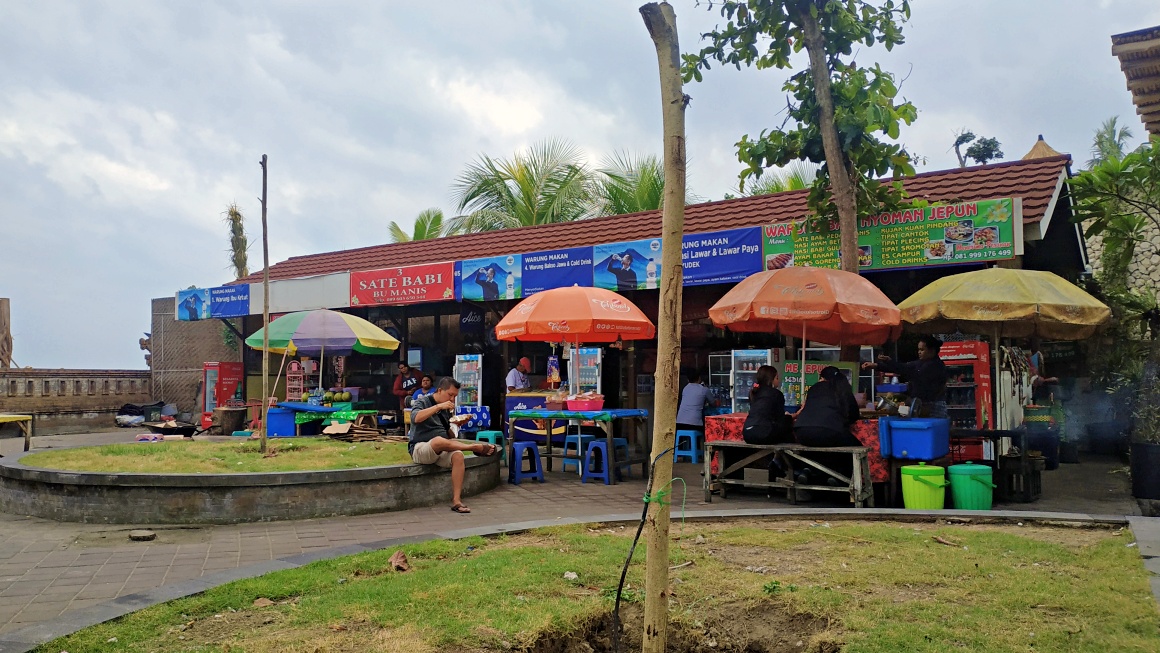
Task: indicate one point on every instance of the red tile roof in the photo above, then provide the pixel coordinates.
(1034, 180)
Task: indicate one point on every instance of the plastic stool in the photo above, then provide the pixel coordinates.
(516, 471)
(580, 442)
(496, 438)
(619, 445)
(687, 442)
(590, 460)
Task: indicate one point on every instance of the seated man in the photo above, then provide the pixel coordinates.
(432, 443)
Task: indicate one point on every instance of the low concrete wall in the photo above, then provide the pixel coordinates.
(93, 497)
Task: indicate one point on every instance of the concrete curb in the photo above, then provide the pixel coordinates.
(1147, 531)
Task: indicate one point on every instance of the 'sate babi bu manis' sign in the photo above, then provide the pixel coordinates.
(403, 285)
(950, 234)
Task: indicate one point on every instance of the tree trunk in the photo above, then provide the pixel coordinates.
(661, 22)
(841, 182)
(265, 316)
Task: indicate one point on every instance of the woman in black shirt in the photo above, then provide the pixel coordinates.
(829, 411)
(767, 422)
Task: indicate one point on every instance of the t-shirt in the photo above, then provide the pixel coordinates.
(435, 426)
(927, 378)
(517, 379)
(693, 401)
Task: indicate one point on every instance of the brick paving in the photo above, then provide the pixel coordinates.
(50, 570)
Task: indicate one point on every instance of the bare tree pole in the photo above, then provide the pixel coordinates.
(265, 314)
(661, 22)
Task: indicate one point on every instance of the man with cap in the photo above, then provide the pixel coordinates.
(517, 378)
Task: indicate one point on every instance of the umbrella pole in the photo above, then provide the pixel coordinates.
(802, 370)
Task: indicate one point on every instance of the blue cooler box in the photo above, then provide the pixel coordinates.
(917, 438)
(281, 423)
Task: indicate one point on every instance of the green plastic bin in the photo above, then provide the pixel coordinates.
(971, 486)
(923, 487)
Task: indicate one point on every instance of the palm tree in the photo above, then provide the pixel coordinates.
(1110, 142)
(239, 244)
(798, 175)
(629, 185)
(429, 224)
(548, 183)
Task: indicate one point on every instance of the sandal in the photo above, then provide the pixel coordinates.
(488, 450)
(460, 508)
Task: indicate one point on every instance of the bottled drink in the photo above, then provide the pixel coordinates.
(650, 274)
(511, 286)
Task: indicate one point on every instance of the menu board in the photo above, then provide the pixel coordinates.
(791, 377)
(951, 234)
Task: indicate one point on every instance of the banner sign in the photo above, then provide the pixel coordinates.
(633, 265)
(721, 256)
(791, 379)
(558, 268)
(489, 279)
(405, 285)
(230, 301)
(192, 304)
(470, 319)
(952, 234)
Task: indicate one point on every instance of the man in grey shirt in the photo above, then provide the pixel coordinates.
(693, 401)
(431, 441)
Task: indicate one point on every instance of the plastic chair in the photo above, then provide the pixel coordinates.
(580, 444)
(496, 438)
(687, 442)
(516, 472)
(591, 468)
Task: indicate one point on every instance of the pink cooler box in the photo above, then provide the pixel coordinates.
(587, 404)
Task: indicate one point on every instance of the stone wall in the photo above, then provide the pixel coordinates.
(72, 400)
(1144, 271)
(179, 351)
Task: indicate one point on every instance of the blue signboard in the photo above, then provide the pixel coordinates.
(721, 256)
(630, 265)
(558, 268)
(230, 301)
(489, 279)
(192, 304)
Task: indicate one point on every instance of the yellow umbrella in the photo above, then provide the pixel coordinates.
(1005, 303)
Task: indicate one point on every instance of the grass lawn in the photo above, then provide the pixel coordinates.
(736, 586)
(193, 457)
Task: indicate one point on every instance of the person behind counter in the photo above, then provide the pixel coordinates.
(431, 442)
(767, 421)
(694, 398)
(517, 378)
(426, 387)
(406, 383)
(927, 376)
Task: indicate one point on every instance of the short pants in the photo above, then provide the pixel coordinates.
(424, 454)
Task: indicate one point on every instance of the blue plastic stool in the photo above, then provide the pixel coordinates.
(580, 443)
(590, 462)
(687, 442)
(496, 438)
(516, 471)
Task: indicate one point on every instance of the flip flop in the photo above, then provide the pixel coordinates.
(460, 508)
(489, 450)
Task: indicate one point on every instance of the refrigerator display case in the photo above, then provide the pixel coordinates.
(969, 384)
(721, 378)
(469, 373)
(221, 382)
(586, 362)
(745, 363)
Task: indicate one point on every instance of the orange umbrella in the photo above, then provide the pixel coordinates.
(575, 315)
(837, 308)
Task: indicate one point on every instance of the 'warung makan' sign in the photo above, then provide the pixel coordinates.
(404, 285)
(949, 234)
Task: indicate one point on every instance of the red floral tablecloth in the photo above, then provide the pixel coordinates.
(729, 427)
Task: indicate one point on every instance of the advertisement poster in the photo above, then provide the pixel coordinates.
(721, 256)
(791, 378)
(229, 301)
(405, 285)
(951, 234)
(558, 268)
(633, 265)
(192, 304)
(470, 319)
(489, 279)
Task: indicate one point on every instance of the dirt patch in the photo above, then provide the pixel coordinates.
(764, 627)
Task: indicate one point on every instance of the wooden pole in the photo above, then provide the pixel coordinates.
(265, 314)
(661, 22)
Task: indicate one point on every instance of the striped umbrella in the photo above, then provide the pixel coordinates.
(314, 333)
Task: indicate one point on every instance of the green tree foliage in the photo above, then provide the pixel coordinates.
(982, 150)
(546, 184)
(839, 114)
(1110, 142)
(429, 224)
(239, 244)
(796, 176)
(627, 184)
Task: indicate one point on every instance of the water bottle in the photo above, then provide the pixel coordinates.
(650, 274)
(511, 286)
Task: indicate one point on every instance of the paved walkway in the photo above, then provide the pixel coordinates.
(58, 577)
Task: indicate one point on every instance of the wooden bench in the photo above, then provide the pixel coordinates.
(858, 485)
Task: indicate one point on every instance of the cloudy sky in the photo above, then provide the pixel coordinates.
(127, 127)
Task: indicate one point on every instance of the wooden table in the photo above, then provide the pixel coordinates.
(26, 423)
(603, 419)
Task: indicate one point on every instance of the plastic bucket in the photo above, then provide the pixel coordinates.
(971, 486)
(923, 487)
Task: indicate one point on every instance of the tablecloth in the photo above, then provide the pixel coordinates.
(729, 427)
(593, 415)
(302, 417)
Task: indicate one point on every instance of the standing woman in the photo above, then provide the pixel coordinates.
(767, 422)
